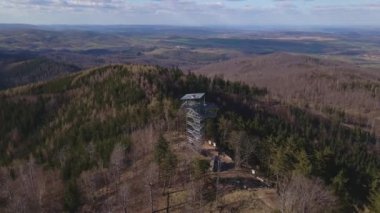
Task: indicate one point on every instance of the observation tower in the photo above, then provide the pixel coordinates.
(197, 111)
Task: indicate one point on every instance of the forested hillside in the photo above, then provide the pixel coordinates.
(73, 143)
(23, 69)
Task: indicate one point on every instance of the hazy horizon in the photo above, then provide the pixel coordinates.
(301, 28)
(192, 13)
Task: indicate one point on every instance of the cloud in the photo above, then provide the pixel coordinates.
(176, 6)
(348, 7)
(64, 4)
(241, 12)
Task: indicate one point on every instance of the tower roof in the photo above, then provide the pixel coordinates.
(193, 96)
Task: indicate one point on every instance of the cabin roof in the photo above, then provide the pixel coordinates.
(193, 96)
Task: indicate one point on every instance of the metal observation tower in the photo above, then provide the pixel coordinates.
(197, 111)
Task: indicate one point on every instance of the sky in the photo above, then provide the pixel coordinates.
(193, 12)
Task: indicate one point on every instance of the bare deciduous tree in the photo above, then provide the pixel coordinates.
(88, 185)
(26, 193)
(4, 188)
(143, 141)
(236, 138)
(123, 196)
(33, 182)
(117, 162)
(243, 145)
(248, 148)
(167, 106)
(224, 126)
(299, 194)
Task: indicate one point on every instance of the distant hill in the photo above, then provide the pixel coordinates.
(17, 26)
(330, 86)
(18, 71)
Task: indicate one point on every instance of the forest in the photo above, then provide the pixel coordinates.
(72, 125)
